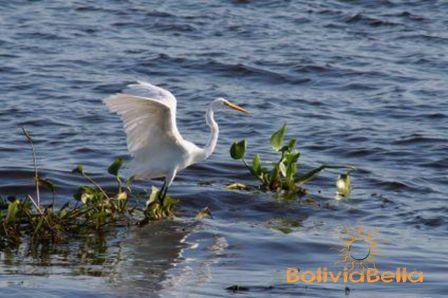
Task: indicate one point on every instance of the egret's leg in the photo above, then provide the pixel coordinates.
(168, 180)
(162, 191)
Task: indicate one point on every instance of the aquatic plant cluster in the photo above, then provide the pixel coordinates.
(92, 209)
(283, 176)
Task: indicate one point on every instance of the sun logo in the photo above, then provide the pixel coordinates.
(359, 249)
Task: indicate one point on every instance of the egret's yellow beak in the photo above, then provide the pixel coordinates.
(235, 107)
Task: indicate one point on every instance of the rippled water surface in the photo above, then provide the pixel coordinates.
(358, 82)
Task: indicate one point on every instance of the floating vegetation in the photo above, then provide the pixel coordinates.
(203, 213)
(92, 209)
(344, 186)
(281, 176)
(237, 186)
(286, 225)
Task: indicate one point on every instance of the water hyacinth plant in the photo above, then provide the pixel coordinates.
(92, 210)
(283, 174)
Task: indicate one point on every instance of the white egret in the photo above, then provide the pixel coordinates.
(157, 148)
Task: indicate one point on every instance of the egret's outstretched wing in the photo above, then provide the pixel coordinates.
(146, 89)
(150, 124)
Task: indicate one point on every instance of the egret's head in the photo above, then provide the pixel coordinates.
(220, 103)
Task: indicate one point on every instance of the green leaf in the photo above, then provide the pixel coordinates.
(238, 149)
(63, 213)
(129, 181)
(115, 166)
(274, 179)
(282, 169)
(311, 174)
(292, 144)
(39, 225)
(153, 197)
(256, 165)
(277, 138)
(79, 169)
(291, 170)
(289, 147)
(46, 183)
(13, 208)
(86, 193)
(293, 156)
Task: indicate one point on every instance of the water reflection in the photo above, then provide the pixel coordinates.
(130, 261)
(92, 254)
(147, 254)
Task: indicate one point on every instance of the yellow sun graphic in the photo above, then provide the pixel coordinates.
(360, 248)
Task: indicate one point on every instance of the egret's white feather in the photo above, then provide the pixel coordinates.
(147, 122)
(151, 132)
(148, 90)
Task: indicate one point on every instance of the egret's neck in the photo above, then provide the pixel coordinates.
(214, 132)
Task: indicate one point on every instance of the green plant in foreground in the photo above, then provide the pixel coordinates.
(154, 210)
(106, 205)
(93, 210)
(283, 174)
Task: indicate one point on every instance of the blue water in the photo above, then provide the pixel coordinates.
(358, 82)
